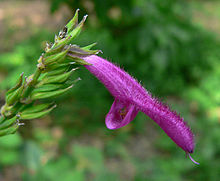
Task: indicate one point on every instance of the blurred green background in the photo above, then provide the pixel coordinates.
(171, 46)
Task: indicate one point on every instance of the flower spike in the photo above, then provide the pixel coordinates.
(50, 79)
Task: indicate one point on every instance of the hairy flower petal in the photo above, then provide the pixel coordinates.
(129, 94)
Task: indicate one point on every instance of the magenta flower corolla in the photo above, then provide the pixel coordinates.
(130, 98)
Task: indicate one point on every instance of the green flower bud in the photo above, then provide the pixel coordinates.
(7, 123)
(56, 78)
(57, 71)
(48, 87)
(10, 130)
(54, 58)
(73, 22)
(14, 96)
(76, 50)
(17, 85)
(77, 60)
(88, 47)
(36, 108)
(44, 95)
(34, 115)
(71, 35)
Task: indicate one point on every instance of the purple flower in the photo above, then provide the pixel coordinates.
(131, 97)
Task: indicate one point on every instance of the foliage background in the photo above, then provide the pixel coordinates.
(171, 46)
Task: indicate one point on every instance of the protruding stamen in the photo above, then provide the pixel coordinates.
(192, 159)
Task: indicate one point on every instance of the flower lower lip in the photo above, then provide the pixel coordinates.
(120, 115)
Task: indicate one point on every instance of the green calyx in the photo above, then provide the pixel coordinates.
(38, 112)
(50, 79)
